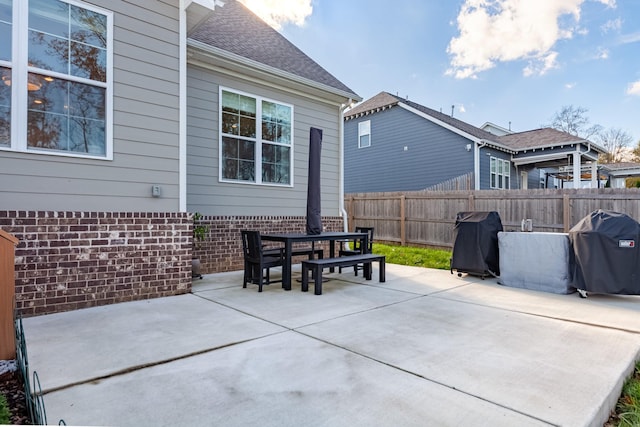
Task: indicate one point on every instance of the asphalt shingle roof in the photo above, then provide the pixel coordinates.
(236, 29)
(537, 138)
(385, 99)
(620, 166)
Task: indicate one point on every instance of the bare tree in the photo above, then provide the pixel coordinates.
(616, 142)
(635, 153)
(574, 120)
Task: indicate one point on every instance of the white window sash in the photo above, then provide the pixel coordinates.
(20, 71)
(364, 130)
(258, 141)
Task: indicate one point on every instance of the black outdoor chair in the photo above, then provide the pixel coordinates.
(256, 262)
(356, 247)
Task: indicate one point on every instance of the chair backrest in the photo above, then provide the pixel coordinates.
(251, 244)
(369, 231)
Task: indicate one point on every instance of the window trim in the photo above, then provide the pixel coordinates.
(258, 140)
(20, 71)
(366, 124)
(497, 168)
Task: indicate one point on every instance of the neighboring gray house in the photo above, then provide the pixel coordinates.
(117, 118)
(393, 144)
(617, 173)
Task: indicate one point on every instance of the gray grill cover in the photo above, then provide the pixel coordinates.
(475, 249)
(607, 259)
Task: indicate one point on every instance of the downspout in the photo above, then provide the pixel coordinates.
(343, 212)
(182, 112)
(476, 163)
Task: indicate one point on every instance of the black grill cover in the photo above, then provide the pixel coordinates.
(475, 249)
(607, 259)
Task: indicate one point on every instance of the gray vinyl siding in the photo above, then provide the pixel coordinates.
(145, 127)
(533, 179)
(433, 155)
(206, 194)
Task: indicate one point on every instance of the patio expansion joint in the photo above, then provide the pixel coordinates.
(131, 369)
(545, 316)
(422, 377)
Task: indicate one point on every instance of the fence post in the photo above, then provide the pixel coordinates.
(566, 213)
(350, 214)
(403, 231)
(472, 203)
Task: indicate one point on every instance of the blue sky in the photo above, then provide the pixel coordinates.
(503, 61)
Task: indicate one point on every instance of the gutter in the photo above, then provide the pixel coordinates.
(182, 101)
(476, 163)
(343, 212)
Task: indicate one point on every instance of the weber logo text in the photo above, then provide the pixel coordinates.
(626, 243)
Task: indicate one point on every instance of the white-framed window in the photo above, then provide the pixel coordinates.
(364, 134)
(256, 139)
(500, 173)
(56, 72)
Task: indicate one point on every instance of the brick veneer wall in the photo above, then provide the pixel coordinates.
(71, 260)
(222, 249)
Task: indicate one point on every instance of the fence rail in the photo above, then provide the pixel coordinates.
(426, 218)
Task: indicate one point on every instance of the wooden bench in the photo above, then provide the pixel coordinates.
(317, 265)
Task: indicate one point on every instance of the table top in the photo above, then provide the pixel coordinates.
(301, 237)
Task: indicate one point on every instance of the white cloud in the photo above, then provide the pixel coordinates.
(608, 3)
(630, 38)
(611, 25)
(462, 109)
(634, 88)
(570, 86)
(541, 65)
(492, 31)
(603, 53)
(279, 12)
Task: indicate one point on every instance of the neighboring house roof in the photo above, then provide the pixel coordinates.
(622, 169)
(385, 100)
(381, 101)
(234, 28)
(539, 138)
(513, 142)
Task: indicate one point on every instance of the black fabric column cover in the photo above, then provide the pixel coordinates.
(314, 217)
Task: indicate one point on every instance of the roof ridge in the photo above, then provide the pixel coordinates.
(236, 29)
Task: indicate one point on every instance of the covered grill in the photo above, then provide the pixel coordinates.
(607, 259)
(475, 250)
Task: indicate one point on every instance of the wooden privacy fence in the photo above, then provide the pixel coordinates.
(427, 218)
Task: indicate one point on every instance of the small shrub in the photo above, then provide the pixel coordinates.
(5, 415)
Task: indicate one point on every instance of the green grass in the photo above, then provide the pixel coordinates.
(417, 257)
(5, 415)
(628, 408)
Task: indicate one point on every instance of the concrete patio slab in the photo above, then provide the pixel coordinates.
(294, 308)
(82, 345)
(424, 348)
(610, 311)
(282, 380)
(533, 365)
